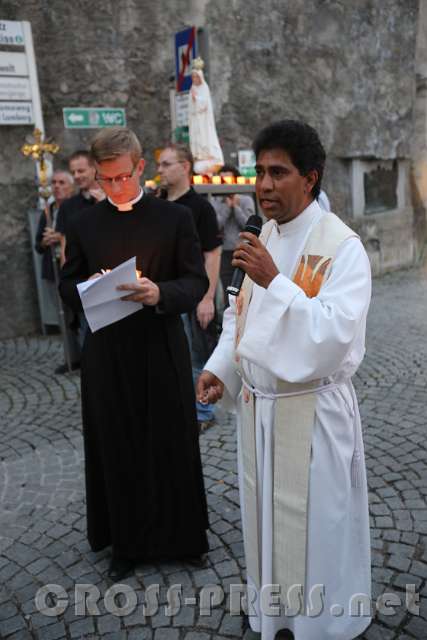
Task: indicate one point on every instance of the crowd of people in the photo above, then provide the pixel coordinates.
(218, 222)
(290, 342)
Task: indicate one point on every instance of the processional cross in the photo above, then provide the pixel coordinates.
(36, 148)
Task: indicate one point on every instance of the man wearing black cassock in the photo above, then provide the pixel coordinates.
(144, 484)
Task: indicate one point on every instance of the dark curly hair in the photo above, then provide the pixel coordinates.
(301, 143)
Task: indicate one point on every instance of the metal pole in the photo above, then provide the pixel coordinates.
(61, 314)
(172, 94)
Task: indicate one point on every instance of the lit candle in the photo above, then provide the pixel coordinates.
(241, 180)
(252, 180)
(228, 179)
(150, 184)
(216, 179)
(198, 179)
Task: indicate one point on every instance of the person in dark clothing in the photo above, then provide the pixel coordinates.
(144, 484)
(175, 169)
(47, 235)
(82, 168)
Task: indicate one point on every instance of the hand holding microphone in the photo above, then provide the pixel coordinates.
(252, 258)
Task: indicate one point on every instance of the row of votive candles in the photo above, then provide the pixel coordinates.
(199, 179)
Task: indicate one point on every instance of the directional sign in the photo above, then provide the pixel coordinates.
(13, 64)
(15, 89)
(16, 113)
(93, 118)
(11, 33)
(185, 52)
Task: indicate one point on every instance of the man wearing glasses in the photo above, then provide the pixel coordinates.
(145, 493)
(175, 169)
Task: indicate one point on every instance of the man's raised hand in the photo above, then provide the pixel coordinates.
(251, 256)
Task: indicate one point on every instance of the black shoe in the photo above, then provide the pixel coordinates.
(284, 634)
(205, 424)
(195, 561)
(120, 568)
(64, 369)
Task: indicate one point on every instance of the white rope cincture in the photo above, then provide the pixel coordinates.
(356, 460)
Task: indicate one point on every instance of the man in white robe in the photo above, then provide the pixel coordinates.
(299, 337)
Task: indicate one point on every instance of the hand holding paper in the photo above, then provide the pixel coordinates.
(144, 291)
(102, 301)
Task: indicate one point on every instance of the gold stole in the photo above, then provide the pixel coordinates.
(293, 425)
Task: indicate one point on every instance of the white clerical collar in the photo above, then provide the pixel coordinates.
(127, 206)
(303, 219)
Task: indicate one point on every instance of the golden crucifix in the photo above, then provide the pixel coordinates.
(36, 148)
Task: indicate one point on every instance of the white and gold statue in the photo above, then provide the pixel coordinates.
(204, 143)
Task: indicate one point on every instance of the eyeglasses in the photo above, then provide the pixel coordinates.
(165, 164)
(115, 180)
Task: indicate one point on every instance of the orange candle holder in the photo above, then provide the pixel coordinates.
(216, 180)
(228, 179)
(198, 179)
(241, 180)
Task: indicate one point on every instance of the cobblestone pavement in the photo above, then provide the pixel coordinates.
(42, 521)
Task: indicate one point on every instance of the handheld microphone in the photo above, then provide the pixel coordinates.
(253, 225)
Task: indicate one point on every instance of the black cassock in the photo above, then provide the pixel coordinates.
(144, 483)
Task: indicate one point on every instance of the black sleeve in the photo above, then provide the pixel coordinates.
(75, 269)
(183, 294)
(208, 229)
(39, 235)
(61, 217)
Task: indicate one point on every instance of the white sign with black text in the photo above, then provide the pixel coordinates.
(16, 113)
(11, 33)
(13, 64)
(181, 109)
(15, 89)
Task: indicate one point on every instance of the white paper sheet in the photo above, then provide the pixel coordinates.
(101, 299)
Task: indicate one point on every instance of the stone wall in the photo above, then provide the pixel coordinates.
(345, 67)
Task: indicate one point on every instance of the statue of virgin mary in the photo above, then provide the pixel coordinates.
(204, 143)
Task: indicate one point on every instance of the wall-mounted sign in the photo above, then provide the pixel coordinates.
(13, 64)
(15, 88)
(181, 109)
(11, 33)
(247, 162)
(93, 118)
(185, 52)
(16, 113)
(18, 76)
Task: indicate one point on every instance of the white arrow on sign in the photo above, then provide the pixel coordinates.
(75, 117)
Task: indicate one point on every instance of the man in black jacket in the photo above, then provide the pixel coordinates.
(175, 170)
(47, 234)
(82, 169)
